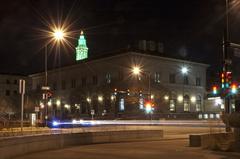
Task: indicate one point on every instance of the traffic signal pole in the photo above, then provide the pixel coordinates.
(226, 64)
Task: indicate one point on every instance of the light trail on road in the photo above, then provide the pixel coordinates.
(192, 123)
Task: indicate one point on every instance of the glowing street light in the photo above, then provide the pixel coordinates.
(89, 100)
(193, 99)
(184, 70)
(180, 98)
(58, 103)
(166, 97)
(58, 34)
(100, 98)
(136, 70)
(49, 103)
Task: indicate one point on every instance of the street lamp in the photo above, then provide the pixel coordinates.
(184, 71)
(57, 35)
(136, 71)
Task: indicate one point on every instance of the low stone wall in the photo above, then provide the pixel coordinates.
(16, 146)
(211, 141)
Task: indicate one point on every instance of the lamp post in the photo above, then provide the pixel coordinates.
(57, 35)
(137, 71)
(184, 71)
(100, 101)
(148, 106)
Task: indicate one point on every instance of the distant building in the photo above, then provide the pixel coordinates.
(9, 95)
(108, 87)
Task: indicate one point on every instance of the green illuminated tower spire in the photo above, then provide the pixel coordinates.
(81, 49)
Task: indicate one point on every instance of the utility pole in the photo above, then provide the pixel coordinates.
(226, 63)
(22, 92)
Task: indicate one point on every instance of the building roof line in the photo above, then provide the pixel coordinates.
(110, 56)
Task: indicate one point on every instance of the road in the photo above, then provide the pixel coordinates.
(173, 146)
(195, 126)
(165, 149)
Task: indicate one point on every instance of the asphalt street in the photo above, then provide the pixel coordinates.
(165, 149)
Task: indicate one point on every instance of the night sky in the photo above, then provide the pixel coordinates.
(195, 26)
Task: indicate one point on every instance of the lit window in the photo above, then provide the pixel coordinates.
(108, 78)
(121, 104)
(186, 103)
(141, 103)
(172, 105)
(157, 77)
(198, 103)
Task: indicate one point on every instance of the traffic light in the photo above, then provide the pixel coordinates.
(222, 80)
(228, 79)
(149, 106)
(214, 90)
(233, 88)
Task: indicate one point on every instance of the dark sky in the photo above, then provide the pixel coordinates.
(196, 25)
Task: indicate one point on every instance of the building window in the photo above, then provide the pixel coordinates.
(7, 81)
(198, 103)
(15, 92)
(38, 86)
(172, 105)
(7, 93)
(108, 78)
(141, 103)
(55, 86)
(63, 85)
(73, 83)
(157, 77)
(84, 81)
(15, 81)
(120, 75)
(172, 78)
(185, 80)
(186, 103)
(198, 81)
(121, 104)
(95, 80)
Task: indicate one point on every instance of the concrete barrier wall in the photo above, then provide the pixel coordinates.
(210, 141)
(16, 146)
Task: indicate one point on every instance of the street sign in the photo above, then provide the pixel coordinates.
(37, 109)
(92, 112)
(228, 61)
(45, 88)
(22, 86)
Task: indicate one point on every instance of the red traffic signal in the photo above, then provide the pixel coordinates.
(214, 90)
(234, 88)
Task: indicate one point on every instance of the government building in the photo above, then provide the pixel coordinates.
(127, 84)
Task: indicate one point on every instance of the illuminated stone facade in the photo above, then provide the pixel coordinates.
(108, 86)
